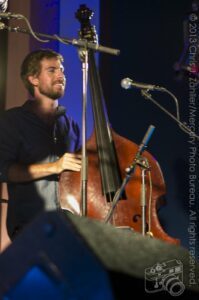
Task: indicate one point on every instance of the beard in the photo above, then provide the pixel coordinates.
(52, 93)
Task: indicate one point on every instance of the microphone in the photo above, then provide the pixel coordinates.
(128, 83)
(9, 15)
(3, 5)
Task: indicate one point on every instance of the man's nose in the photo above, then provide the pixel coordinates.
(61, 75)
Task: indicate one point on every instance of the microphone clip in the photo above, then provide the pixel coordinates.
(138, 161)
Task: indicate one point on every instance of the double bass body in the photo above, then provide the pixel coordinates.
(128, 210)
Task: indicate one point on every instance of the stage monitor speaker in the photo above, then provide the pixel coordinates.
(62, 256)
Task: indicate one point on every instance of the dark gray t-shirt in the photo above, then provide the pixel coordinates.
(26, 139)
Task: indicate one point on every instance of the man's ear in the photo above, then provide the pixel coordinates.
(33, 80)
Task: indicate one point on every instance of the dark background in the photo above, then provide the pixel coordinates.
(150, 36)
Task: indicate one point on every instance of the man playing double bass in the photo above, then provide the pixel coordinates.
(37, 141)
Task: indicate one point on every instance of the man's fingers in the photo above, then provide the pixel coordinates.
(71, 162)
(73, 155)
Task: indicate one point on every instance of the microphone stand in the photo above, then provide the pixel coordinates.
(145, 93)
(138, 160)
(144, 167)
(83, 54)
(74, 42)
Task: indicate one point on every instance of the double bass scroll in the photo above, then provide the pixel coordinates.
(108, 156)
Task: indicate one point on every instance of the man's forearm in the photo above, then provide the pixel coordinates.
(23, 173)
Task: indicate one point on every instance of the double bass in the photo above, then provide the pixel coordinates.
(109, 154)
